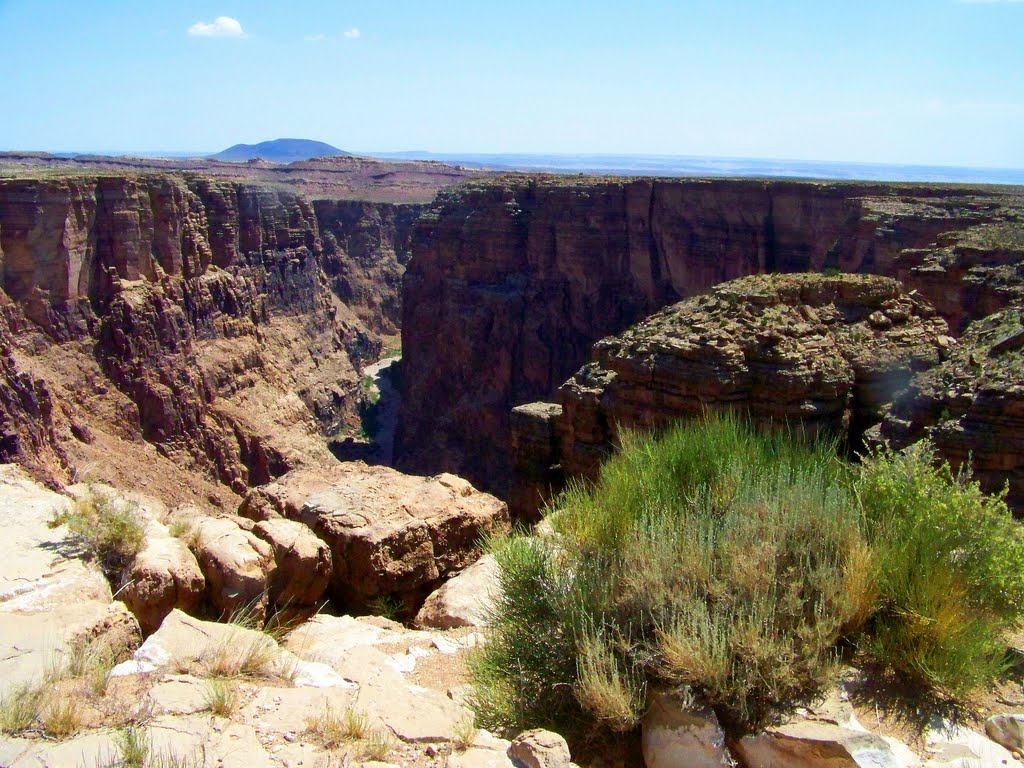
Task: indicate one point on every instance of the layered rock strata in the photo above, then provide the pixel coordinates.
(972, 406)
(821, 354)
(512, 280)
(192, 334)
(390, 535)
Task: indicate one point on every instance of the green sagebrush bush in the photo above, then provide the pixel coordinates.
(733, 562)
(950, 570)
(109, 529)
(712, 556)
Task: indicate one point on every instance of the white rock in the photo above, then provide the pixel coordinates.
(676, 733)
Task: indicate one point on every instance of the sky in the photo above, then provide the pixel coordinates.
(938, 82)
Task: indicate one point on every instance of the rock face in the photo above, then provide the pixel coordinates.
(164, 576)
(465, 600)
(303, 561)
(972, 405)
(191, 327)
(389, 533)
(819, 353)
(679, 733)
(512, 281)
(238, 566)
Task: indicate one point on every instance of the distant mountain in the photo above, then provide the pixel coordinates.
(278, 151)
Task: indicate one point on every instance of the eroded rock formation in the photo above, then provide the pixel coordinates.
(822, 354)
(193, 334)
(511, 281)
(972, 406)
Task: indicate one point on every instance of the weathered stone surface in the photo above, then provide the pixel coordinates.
(677, 732)
(237, 566)
(537, 472)
(165, 575)
(1007, 731)
(955, 746)
(465, 600)
(809, 744)
(513, 280)
(806, 350)
(539, 749)
(971, 407)
(183, 329)
(49, 597)
(303, 563)
(389, 533)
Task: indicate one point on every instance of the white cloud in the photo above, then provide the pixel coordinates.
(315, 38)
(222, 26)
(353, 33)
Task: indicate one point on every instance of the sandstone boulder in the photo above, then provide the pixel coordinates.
(465, 600)
(677, 732)
(810, 744)
(165, 575)
(539, 748)
(956, 746)
(389, 533)
(303, 563)
(237, 565)
(1007, 731)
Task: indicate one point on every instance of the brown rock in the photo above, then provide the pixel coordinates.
(165, 575)
(539, 749)
(513, 280)
(303, 563)
(971, 406)
(389, 533)
(237, 566)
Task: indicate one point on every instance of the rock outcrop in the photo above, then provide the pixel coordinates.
(389, 534)
(196, 328)
(806, 351)
(972, 406)
(511, 281)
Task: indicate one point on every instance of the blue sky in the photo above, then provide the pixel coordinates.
(898, 81)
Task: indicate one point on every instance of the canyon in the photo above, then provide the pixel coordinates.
(513, 279)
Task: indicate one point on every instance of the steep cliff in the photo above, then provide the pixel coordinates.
(512, 280)
(184, 329)
(972, 406)
(815, 353)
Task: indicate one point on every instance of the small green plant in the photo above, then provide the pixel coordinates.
(332, 729)
(465, 733)
(221, 698)
(387, 606)
(20, 708)
(180, 529)
(60, 717)
(110, 530)
(376, 746)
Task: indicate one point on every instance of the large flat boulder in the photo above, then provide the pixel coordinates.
(389, 533)
(49, 595)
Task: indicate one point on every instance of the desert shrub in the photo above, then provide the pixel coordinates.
(950, 569)
(110, 530)
(711, 556)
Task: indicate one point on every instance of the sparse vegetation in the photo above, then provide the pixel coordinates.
(134, 750)
(465, 733)
(333, 729)
(376, 746)
(20, 708)
(110, 530)
(221, 698)
(735, 563)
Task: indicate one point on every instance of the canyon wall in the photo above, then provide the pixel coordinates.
(512, 280)
(161, 328)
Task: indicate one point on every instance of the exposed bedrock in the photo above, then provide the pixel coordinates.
(819, 354)
(200, 317)
(972, 405)
(512, 280)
